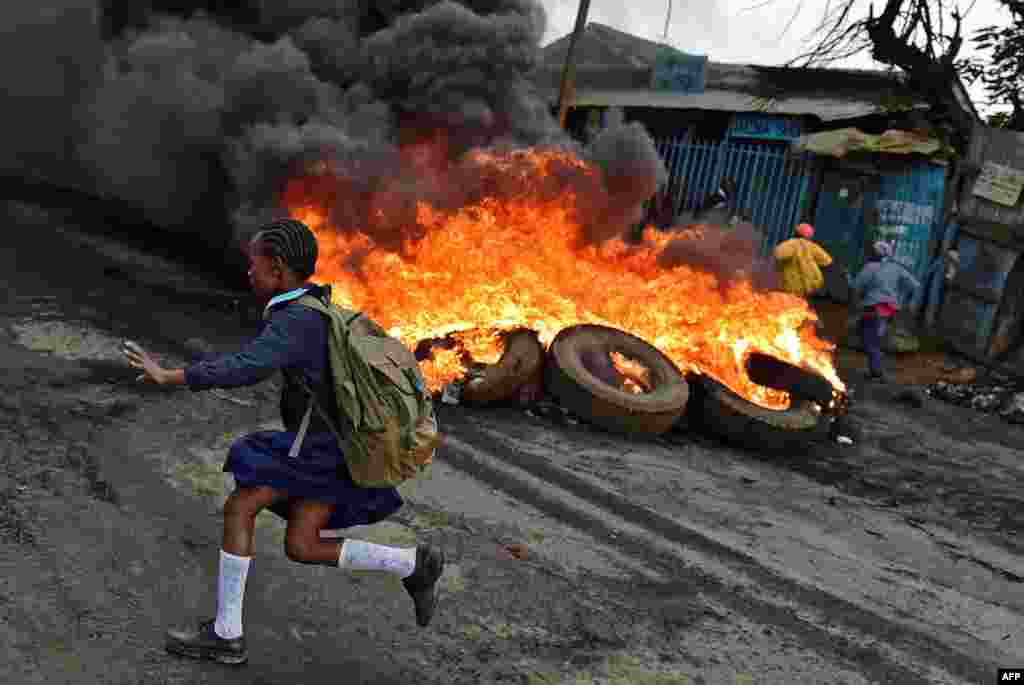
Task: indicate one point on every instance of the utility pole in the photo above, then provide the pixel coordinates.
(568, 88)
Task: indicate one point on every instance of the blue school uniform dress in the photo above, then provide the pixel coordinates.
(294, 339)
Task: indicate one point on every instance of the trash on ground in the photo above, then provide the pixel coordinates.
(999, 396)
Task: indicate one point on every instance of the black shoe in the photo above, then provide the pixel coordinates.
(875, 377)
(205, 643)
(422, 584)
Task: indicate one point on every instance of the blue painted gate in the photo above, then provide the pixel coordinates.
(903, 206)
(771, 181)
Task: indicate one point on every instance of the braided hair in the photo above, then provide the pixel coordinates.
(293, 242)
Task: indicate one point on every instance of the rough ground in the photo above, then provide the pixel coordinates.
(576, 557)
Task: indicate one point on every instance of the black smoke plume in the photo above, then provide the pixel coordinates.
(730, 253)
(201, 113)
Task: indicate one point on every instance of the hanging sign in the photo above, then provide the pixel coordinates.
(999, 184)
(765, 127)
(679, 72)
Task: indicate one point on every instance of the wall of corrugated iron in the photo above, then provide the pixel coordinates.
(983, 309)
(771, 182)
(902, 204)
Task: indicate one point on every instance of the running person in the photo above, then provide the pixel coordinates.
(879, 286)
(313, 491)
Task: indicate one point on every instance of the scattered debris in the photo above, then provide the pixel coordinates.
(999, 396)
(844, 430)
(1013, 410)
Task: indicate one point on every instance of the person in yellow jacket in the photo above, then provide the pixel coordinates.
(799, 261)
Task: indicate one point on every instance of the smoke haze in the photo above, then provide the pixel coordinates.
(201, 113)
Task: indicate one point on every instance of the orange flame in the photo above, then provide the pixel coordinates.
(498, 264)
(636, 378)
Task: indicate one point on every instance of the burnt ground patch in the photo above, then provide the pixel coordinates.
(939, 462)
(868, 659)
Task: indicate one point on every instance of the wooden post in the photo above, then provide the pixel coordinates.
(568, 87)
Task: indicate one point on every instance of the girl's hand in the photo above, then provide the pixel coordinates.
(140, 359)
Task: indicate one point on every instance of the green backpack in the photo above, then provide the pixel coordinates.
(380, 391)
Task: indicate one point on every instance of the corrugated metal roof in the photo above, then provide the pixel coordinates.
(824, 108)
(602, 44)
(614, 69)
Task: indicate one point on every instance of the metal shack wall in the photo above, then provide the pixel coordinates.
(983, 309)
(972, 303)
(898, 200)
(908, 209)
(1001, 147)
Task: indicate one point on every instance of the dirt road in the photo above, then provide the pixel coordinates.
(576, 556)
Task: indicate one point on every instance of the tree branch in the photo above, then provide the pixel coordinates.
(907, 34)
(937, 78)
(955, 43)
(908, 31)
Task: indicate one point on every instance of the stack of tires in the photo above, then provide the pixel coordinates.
(577, 371)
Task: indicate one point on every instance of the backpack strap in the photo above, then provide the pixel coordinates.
(303, 297)
(300, 436)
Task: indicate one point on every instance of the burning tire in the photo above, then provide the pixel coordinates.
(521, 363)
(615, 380)
(779, 375)
(733, 419)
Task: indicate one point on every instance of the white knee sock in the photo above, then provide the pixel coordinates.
(230, 593)
(358, 555)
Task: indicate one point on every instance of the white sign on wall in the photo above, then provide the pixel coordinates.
(999, 184)
(898, 211)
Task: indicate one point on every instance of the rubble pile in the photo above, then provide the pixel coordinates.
(1001, 396)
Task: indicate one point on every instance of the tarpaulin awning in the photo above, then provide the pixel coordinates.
(840, 142)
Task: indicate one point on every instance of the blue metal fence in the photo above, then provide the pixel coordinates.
(771, 181)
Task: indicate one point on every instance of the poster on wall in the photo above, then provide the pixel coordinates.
(999, 184)
(679, 72)
(765, 127)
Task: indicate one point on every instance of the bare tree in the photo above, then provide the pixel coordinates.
(923, 38)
